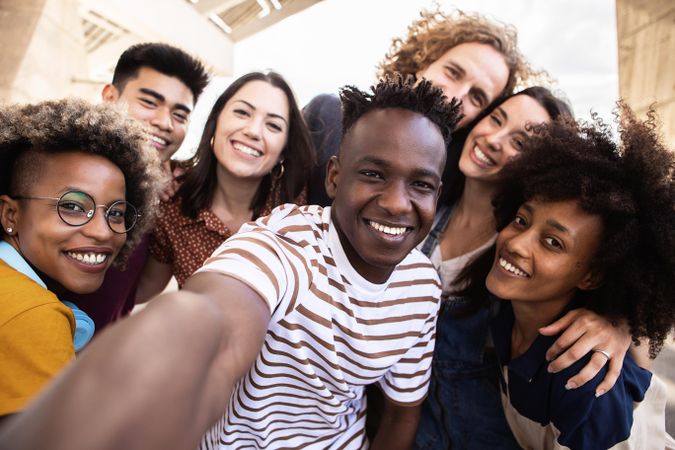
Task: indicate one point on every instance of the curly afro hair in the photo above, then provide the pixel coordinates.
(630, 186)
(399, 92)
(27, 132)
(436, 32)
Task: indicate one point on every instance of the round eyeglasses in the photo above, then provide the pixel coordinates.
(77, 208)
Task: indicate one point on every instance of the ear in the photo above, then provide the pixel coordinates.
(110, 94)
(332, 175)
(592, 280)
(9, 213)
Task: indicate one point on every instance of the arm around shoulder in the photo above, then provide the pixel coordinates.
(587, 421)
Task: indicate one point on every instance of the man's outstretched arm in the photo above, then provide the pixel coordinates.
(156, 380)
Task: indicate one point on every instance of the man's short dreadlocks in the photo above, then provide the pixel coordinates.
(399, 92)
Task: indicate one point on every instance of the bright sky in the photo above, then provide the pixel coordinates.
(338, 42)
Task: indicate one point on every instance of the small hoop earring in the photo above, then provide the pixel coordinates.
(277, 176)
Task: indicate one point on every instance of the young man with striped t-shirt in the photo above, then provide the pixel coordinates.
(290, 319)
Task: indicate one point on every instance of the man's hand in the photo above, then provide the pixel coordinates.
(172, 186)
(584, 331)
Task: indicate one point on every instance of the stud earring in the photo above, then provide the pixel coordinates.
(9, 230)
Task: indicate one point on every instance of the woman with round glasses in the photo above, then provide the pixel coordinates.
(73, 180)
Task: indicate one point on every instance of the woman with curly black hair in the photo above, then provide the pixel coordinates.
(583, 222)
(459, 409)
(77, 190)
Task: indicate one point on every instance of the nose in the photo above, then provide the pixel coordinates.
(394, 199)
(253, 128)
(97, 228)
(495, 140)
(518, 244)
(162, 119)
(458, 89)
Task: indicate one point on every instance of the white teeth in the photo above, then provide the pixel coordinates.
(248, 150)
(89, 258)
(511, 268)
(482, 157)
(159, 140)
(392, 231)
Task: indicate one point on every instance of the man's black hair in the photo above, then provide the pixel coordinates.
(399, 92)
(165, 59)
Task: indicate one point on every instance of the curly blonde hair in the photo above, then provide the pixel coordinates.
(436, 32)
(29, 131)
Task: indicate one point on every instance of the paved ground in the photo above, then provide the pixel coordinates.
(664, 367)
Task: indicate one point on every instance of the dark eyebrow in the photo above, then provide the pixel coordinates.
(159, 97)
(499, 110)
(277, 116)
(481, 93)
(417, 172)
(553, 223)
(522, 134)
(77, 189)
(458, 67)
(374, 160)
(154, 94)
(557, 225)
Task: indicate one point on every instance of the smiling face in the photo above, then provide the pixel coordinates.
(160, 101)
(251, 131)
(385, 185)
(74, 258)
(472, 72)
(499, 137)
(544, 254)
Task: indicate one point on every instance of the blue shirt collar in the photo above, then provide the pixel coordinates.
(84, 325)
(14, 259)
(533, 361)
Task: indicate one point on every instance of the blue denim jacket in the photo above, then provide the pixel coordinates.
(463, 408)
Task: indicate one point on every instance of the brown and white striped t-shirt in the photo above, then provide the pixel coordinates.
(331, 333)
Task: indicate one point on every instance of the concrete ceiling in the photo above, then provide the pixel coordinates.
(206, 28)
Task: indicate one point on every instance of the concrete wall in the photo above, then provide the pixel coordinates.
(646, 34)
(42, 50)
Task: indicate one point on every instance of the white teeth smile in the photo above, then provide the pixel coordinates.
(392, 231)
(89, 258)
(159, 140)
(482, 157)
(247, 150)
(511, 268)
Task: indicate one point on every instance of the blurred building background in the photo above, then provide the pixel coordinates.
(52, 48)
(646, 35)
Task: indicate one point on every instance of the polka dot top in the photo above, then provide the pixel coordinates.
(185, 243)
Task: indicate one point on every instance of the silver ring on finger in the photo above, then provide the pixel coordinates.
(606, 354)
